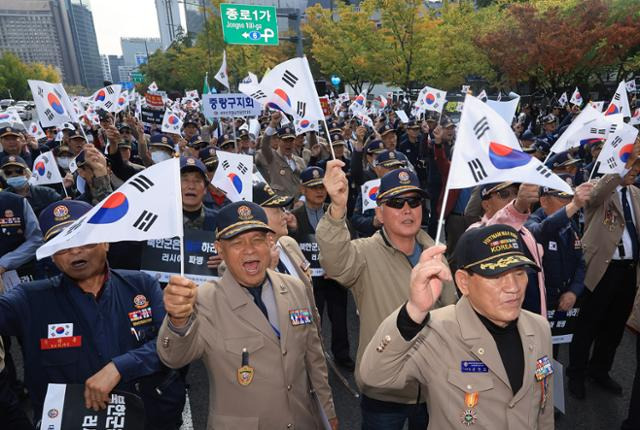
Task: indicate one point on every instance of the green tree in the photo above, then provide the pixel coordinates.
(347, 44)
(14, 75)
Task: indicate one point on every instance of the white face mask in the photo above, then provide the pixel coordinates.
(64, 162)
(159, 156)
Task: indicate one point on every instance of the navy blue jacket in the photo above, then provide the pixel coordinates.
(563, 260)
(363, 222)
(115, 328)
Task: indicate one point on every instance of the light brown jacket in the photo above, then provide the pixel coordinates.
(378, 275)
(226, 321)
(436, 356)
(604, 225)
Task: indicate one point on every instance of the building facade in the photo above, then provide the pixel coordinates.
(168, 21)
(136, 50)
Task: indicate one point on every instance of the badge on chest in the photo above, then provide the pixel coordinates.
(300, 316)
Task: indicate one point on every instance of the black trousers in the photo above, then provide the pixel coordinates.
(601, 322)
(633, 419)
(12, 417)
(330, 293)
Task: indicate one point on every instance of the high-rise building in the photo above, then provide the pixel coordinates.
(168, 21)
(115, 62)
(85, 42)
(193, 13)
(106, 68)
(28, 28)
(136, 50)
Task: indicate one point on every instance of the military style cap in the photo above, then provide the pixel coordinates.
(337, 140)
(124, 126)
(208, 155)
(124, 145)
(491, 250)
(398, 182)
(312, 176)
(527, 135)
(191, 121)
(446, 122)
(75, 134)
(192, 164)
(225, 140)
(244, 133)
(13, 160)
(264, 195)
(546, 191)
(547, 119)
(412, 124)
(162, 141)
(195, 142)
(58, 215)
(67, 126)
(487, 189)
(390, 159)
(9, 131)
(374, 147)
(562, 159)
(240, 217)
(385, 129)
(286, 133)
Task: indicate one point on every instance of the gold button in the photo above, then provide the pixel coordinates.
(481, 351)
(289, 426)
(387, 338)
(289, 387)
(379, 349)
(469, 387)
(530, 347)
(284, 352)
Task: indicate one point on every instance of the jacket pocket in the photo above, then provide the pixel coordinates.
(226, 422)
(470, 382)
(237, 344)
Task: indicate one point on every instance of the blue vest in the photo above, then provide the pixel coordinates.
(12, 224)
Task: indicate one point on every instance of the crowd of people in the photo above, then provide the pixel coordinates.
(449, 336)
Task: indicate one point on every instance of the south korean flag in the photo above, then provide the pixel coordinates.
(132, 212)
(234, 175)
(171, 122)
(488, 151)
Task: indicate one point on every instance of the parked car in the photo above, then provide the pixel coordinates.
(5, 103)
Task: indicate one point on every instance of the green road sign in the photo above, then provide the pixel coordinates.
(137, 77)
(249, 25)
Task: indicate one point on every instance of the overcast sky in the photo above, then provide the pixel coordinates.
(114, 19)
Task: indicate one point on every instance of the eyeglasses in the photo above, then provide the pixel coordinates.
(12, 172)
(398, 202)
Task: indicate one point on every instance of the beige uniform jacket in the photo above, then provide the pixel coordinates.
(604, 225)
(282, 179)
(378, 275)
(434, 358)
(226, 321)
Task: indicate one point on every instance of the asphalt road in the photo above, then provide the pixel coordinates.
(599, 411)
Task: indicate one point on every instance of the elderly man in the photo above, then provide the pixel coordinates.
(254, 330)
(377, 269)
(13, 143)
(484, 361)
(92, 325)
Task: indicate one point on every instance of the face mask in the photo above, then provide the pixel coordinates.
(64, 162)
(159, 156)
(17, 181)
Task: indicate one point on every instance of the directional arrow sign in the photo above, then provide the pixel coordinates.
(248, 24)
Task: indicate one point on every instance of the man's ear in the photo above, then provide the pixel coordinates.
(462, 281)
(378, 214)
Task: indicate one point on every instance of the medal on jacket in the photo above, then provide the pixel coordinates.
(245, 372)
(469, 416)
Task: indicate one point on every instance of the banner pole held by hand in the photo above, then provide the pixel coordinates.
(333, 154)
(441, 217)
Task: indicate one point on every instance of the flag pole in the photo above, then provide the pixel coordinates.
(441, 217)
(324, 121)
(179, 218)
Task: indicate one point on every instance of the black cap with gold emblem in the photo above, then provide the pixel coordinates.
(396, 182)
(9, 131)
(162, 141)
(491, 250)
(240, 217)
(264, 195)
(58, 215)
(312, 176)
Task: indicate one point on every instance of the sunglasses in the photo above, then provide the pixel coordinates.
(14, 172)
(398, 202)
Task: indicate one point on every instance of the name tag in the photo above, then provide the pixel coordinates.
(61, 342)
(473, 367)
(300, 316)
(553, 246)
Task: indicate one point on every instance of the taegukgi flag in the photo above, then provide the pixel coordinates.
(45, 170)
(576, 98)
(52, 103)
(222, 75)
(370, 194)
(620, 102)
(133, 212)
(36, 131)
(488, 151)
(171, 122)
(234, 175)
(107, 98)
(617, 149)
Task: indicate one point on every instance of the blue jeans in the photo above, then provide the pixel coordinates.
(380, 415)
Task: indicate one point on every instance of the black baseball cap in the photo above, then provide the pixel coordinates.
(491, 250)
(546, 191)
(264, 195)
